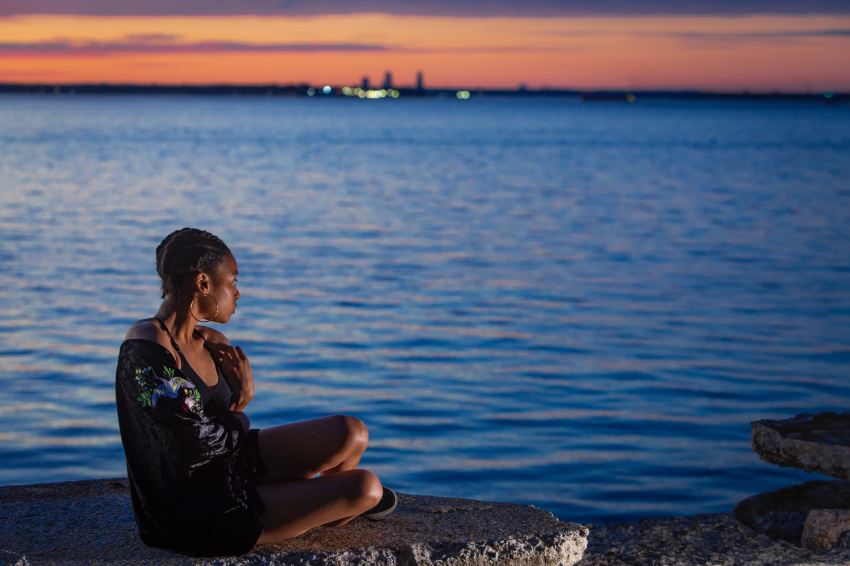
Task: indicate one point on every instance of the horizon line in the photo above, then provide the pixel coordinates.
(521, 88)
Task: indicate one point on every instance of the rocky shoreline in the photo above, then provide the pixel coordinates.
(804, 524)
(90, 521)
(717, 539)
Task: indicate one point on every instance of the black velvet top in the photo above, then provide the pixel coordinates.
(190, 464)
(218, 394)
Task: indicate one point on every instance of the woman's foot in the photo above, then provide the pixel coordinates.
(387, 504)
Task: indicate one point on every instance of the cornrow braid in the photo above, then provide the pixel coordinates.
(185, 252)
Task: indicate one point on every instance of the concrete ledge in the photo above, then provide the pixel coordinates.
(91, 521)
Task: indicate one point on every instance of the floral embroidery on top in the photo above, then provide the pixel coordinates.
(168, 385)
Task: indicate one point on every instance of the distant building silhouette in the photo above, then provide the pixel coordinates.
(420, 81)
(364, 84)
(388, 80)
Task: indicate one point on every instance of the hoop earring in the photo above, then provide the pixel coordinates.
(215, 316)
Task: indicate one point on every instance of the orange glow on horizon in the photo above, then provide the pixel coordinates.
(788, 53)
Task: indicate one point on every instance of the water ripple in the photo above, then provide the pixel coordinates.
(573, 306)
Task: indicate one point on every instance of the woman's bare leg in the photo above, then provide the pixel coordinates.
(293, 508)
(319, 446)
(327, 446)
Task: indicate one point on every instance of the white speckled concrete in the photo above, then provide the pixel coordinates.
(91, 521)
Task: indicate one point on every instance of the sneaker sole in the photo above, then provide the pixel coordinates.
(381, 514)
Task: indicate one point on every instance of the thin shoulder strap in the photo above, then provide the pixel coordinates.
(165, 328)
(174, 342)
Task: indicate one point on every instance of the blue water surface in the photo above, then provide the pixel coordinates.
(576, 306)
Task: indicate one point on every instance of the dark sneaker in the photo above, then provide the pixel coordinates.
(385, 506)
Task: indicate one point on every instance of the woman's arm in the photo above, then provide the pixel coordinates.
(175, 448)
(243, 420)
(156, 393)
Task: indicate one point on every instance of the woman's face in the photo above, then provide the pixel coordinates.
(224, 291)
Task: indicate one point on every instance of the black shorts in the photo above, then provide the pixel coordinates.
(231, 534)
(237, 532)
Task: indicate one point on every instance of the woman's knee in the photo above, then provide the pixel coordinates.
(356, 432)
(366, 487)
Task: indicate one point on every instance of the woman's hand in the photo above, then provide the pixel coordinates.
(235, 364)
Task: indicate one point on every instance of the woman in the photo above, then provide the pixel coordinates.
(202, 482)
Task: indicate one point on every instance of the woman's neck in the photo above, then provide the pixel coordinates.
(179, 322)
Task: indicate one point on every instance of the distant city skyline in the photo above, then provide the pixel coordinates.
(726, 47)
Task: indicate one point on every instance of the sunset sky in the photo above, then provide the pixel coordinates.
(752, 45)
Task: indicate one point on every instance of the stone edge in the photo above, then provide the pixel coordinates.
(564, 546)
(770, 445)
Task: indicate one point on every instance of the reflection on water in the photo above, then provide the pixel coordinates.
(579, 307)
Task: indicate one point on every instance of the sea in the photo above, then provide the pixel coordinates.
(573, 305)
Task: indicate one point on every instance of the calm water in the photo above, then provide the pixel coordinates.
(576, 306)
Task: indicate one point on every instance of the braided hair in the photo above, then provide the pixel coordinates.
(186, 252)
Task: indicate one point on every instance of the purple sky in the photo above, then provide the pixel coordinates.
(420, 7)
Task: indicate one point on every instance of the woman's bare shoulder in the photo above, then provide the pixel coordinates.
(147, 329)
(212, 335)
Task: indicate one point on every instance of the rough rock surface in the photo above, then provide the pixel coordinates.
(815, 443)
(782, 513)
(827, 528)
(716, 539)
(91, 521)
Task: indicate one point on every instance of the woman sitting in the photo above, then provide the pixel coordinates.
(202, 481)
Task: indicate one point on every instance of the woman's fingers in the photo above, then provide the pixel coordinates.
(235, 362)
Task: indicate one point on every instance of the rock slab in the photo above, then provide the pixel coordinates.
(91, 521)
(785, 513)
(698, 540)
(827, 528)
(813, 442)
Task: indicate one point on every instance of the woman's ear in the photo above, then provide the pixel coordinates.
(202, 283)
